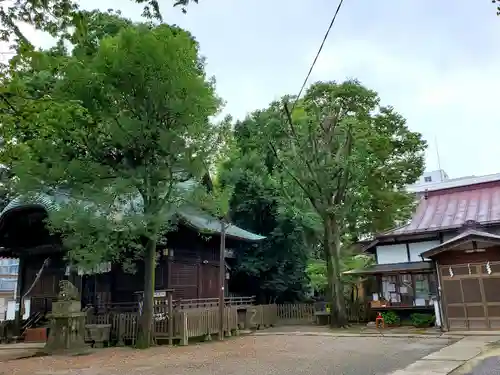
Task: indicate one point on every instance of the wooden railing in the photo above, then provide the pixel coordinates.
(186, 324)
(198, 321)
(213, 302)
(181, 304)
(202, 318)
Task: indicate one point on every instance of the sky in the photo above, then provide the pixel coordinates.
(434, 61)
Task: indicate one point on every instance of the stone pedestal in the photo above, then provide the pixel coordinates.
(67, 328)
(98, 334)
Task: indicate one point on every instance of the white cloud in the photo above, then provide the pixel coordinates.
(457, 105)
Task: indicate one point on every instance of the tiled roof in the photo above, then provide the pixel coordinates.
(192, 216)
(449, 209)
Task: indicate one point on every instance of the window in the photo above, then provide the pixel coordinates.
(428, 179)
(408, 289)
(9, 262)
(9, 270)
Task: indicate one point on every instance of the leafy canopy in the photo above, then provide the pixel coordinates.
(343, 154)
(56, 16)
(343, 161)
(119, 128)
(275, 268)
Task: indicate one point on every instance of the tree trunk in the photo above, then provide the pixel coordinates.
(331, 245)
(144, 334)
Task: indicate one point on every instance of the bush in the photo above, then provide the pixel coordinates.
(391, 318)
(422, 320)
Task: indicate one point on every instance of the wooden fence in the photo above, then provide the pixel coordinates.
(181, 326)
(184, 324)
(302, 313)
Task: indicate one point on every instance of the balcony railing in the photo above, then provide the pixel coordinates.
(8, 285)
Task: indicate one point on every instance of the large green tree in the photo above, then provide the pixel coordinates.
(343, 161)
(118, 126)
(55, 16)
(275, 269)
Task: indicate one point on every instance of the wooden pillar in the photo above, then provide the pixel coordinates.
(170, 317)
(169, 269)
(413, 287)
(21, 278)
(112, 283)
(184, 328)
(199, 280)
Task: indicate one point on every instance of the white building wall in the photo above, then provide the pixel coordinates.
(417, 248)
(387, 254)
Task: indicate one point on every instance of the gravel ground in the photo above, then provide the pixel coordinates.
(255, 355)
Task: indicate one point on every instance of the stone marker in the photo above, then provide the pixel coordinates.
(67, 322)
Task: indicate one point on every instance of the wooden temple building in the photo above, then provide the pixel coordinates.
(188, 263)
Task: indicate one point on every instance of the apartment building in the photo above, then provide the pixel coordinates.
(8, 282)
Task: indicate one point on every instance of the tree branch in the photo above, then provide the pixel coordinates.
(306, 191)
(344, 178)
(295, 136)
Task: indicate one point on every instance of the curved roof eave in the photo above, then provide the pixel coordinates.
(193, 217)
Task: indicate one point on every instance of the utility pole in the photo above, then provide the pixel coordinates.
(222, 277)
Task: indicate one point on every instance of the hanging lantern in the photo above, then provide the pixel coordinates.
(488, 268)
(451, 271)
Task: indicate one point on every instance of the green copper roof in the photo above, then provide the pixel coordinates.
(192, 216)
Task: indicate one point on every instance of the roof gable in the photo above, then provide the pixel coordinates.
(468, 236)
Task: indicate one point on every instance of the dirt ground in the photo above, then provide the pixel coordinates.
(278, 355)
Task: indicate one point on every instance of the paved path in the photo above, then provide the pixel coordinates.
(487, 363)
(252, 355)
(460, 358)
(487, 366)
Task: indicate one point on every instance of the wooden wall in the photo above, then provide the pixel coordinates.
(194, 273)
(451, 257)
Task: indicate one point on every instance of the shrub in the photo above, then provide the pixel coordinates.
(391, 318)
(422, 320)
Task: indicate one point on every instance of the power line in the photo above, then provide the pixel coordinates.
(318, 53)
